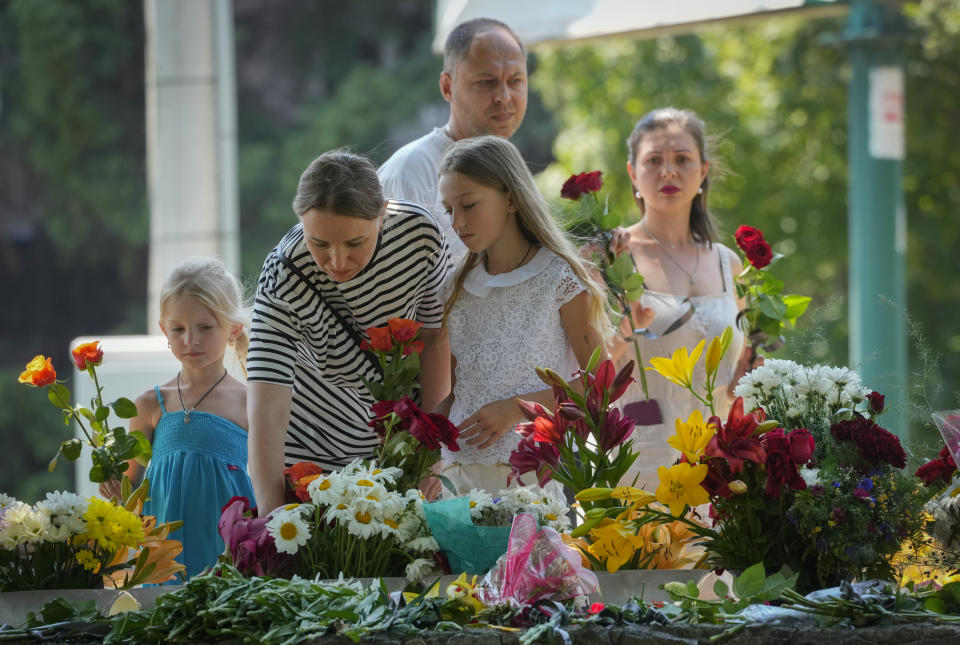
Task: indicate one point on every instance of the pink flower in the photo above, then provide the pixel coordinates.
(734, 441)
(531, 456)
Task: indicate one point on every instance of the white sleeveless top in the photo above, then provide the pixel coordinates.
(712, 314)
(501, 328)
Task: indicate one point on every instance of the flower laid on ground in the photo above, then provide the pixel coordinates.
(65, 541)
(574, 444)
(354, 524)
(111, 447)
(410, 439)
(767, 311)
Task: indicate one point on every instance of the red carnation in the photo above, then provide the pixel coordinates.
(936, 471)
(582, 184)
(876, 445)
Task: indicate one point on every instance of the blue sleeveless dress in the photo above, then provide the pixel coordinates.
(195, 469)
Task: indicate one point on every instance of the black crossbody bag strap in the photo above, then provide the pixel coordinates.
(350, 329)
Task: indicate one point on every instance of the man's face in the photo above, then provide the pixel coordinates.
(488, 89)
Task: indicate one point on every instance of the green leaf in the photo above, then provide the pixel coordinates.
(98, 474)
(750, 583)
(87, 414)
(53, 463)
(102, 413)
(772, 307)
(71, 449)
(59, 395)
(796, 306)
(721, 589)
(935, 604)
(124, 408)
(145, 450)
(594, 359)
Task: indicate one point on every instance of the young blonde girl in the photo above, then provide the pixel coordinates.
(522, 298)
(197, 420)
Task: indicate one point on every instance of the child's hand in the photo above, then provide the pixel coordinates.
(430, 487)
(489, 423)
(110, 489)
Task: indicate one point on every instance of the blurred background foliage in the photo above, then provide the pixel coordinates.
(312, 76)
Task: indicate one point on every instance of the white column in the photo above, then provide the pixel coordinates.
(191, 136)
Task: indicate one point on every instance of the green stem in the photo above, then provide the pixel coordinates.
(66, 404)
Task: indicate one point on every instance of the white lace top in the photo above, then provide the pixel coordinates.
(501, 328)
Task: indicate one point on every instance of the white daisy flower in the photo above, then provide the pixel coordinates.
(360, 522)
(423, 544)
(289, 530)
(480, 499)
(326, 490)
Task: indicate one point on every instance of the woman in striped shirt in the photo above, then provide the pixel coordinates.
(352, 262)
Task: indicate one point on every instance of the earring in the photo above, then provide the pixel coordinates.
(700, 192)
(636, 194)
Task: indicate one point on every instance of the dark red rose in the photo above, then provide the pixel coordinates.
(782, 471)
(585, 182)
(745, 235)
(801, 445)
(759, 253)
(876, 402)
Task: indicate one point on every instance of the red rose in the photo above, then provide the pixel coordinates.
(782, 471)
(404, 330)
(759, 253)
(585, 182)
(947, 456)
(39, 372)
(801, 445)
(876, 402)
(380, 340)
(87, 354)
(745, 235)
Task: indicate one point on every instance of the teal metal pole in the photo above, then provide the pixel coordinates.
(876, 216)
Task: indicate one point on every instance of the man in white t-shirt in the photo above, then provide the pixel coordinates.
(484, 80)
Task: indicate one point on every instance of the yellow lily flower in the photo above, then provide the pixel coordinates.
(711, 360)
(635, 496)
(593, 494)
(678, 368)
(680, 486)
(692, 437)
(614, 543)
(465, 591)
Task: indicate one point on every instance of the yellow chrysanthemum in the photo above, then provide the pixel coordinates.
(692, 436)
(678, 368)
(88, 561)
(680, 486)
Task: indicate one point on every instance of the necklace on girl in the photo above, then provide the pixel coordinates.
(663, 247)
(186, 415)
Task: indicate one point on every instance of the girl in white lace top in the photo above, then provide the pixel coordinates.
(522, 298)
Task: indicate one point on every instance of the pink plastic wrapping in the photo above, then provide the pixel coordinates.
(537, 566)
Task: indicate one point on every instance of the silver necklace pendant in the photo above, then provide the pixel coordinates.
(186, 417)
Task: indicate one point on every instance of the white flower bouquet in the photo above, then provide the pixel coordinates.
(67, 542)
(356, 525)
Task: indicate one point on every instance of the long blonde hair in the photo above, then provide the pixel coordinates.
(208, 280)
(493, 161)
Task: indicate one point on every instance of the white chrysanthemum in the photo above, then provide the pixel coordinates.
(524, 494)
(57, 534)
(326, 490)
(8, 537)
(6, 502)
(289, 530)
(480, 499)
(34, 526)
(417, 569)
(65, 510)
(810, 476)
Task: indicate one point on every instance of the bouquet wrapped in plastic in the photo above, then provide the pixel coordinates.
(537, 567)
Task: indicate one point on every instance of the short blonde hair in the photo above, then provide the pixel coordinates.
(208, 280)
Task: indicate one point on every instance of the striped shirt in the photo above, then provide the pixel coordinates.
(297, 341)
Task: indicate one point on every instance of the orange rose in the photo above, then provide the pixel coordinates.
(403, 329)
(380, 340)
(39, 372)
(87, 354)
